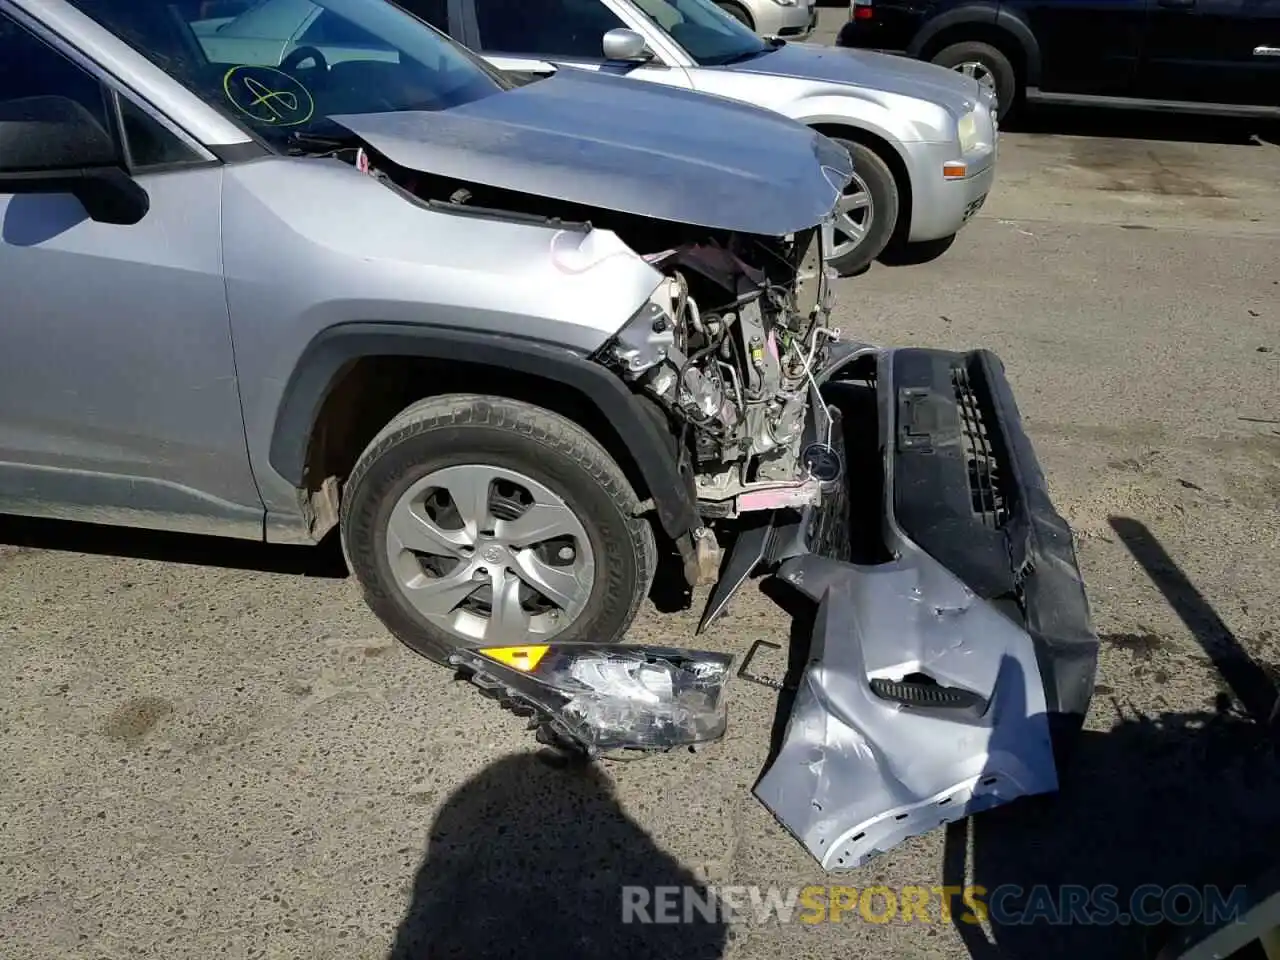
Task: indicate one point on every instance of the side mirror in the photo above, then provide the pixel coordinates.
(623, 44)
(54, 145)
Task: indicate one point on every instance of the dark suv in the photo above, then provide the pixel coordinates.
(1196, 56)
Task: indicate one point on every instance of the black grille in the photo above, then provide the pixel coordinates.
(985, 482)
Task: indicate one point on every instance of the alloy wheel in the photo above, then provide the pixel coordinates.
(982, 73)
(852, 219)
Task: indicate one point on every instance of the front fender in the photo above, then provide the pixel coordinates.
(985, 15)
(979, 13)
(560, 368)
(896, 120)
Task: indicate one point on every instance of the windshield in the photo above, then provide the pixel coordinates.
(708, 34)
(284, 67)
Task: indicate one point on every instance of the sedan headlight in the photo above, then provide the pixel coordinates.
(968, 131)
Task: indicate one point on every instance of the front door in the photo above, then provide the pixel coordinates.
(1213, 51)
(118, 393)
(1087, 47)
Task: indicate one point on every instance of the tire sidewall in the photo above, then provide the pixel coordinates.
(875, 173)
(411, 455)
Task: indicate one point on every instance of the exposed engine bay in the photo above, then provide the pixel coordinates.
(726, 349)
(729, 347)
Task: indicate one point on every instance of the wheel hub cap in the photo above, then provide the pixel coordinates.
(489, 554)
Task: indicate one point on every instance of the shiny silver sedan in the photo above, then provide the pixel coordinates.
(922, 138)
(793, 19)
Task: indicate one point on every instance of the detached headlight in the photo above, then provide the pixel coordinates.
(968, 131)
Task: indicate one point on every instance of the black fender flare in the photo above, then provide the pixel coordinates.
(991, 15)
(335, 347)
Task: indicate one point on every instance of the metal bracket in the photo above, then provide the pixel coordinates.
(744, 672)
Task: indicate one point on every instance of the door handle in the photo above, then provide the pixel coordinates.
(1176, 4)
(1266, 51)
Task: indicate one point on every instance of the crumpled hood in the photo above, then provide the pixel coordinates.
(625, 146)
(876, 71)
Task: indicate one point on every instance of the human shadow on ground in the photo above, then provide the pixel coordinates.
(529, 859)
(1181, 798)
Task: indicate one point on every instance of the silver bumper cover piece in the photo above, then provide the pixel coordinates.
(871, 758)
(950, 674)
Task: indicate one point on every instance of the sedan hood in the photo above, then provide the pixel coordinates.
(875, 71)
(625, 146)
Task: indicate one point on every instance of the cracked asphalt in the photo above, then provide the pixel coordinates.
(212, 750)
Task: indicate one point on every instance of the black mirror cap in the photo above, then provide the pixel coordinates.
(108, 194)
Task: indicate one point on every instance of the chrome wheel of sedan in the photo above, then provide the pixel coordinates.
(852, 221)
(489, 554)
(866, 213)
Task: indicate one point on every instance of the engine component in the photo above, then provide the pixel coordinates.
(729, 349)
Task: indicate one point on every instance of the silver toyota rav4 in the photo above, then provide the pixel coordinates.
(518, 343)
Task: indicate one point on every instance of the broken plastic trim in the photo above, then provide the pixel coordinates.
(600, 698)
(859, 771)
(939, 681)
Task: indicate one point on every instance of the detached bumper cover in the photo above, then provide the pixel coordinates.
(938, 683)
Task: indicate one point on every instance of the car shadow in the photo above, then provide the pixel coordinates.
(915, 254)
(323, 560)
(1179, 798)
(1141, 125)
(532, 859)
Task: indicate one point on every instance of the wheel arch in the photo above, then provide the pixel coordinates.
(746, 11)
(983, 23)
(890, 154)
(352, 378)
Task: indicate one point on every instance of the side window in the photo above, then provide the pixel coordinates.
(545, 28)
(151, 143)
(434, 12)
(39, 88)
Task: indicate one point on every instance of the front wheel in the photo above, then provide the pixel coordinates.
(988, 66)
(475, 521)
(866, 214)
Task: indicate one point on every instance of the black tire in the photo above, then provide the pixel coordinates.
(883, 188)
(463, 428)
(738, 12)
(1002, 71)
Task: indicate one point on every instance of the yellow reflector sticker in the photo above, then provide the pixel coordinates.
(518, 658)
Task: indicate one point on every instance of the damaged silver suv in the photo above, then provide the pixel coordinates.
(275, 268)
(334, 269)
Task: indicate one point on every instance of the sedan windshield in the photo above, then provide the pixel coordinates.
(284, 67)
(708, 34)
